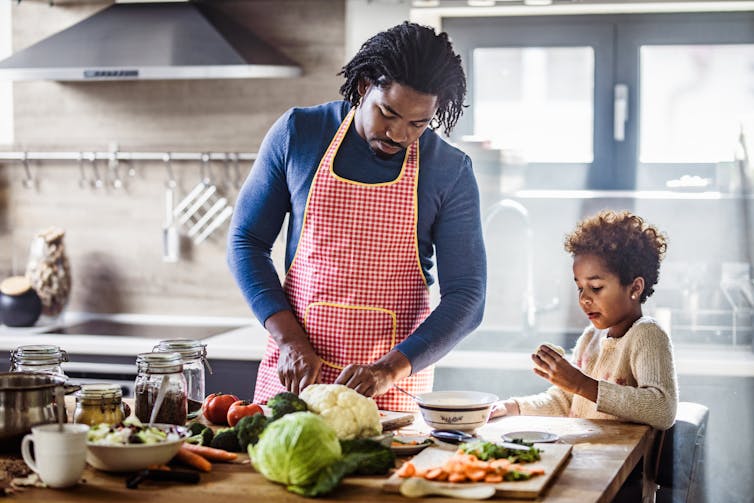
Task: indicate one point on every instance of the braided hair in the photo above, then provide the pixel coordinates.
(415, 56)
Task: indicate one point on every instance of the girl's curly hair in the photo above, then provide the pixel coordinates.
(415, 56)
(629, 245)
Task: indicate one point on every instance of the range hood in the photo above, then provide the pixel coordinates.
(156, 40)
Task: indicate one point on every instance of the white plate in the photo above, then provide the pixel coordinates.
(410, 449)
(531, 436)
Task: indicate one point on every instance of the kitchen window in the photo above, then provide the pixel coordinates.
(628, 101)
(571, 114)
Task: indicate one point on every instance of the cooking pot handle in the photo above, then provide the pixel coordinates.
(70, 388)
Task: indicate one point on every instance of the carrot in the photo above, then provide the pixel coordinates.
(189, 458)
(475, 475)
(493, 478)
(407, 469)
(164, 468)
(456, 477)
(210, 453)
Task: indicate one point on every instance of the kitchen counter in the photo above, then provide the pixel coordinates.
(245, 340)
(603, 455)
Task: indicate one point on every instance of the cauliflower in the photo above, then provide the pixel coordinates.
(350, 414)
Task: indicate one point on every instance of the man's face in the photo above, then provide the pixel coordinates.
(392, 117)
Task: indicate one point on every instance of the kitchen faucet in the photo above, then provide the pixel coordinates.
(529, 306)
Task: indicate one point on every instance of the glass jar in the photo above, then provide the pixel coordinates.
(48, 270)
(194, 357)
(38, 358)
(160, 383)
(99, 403)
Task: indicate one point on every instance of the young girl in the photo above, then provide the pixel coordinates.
(622, 364)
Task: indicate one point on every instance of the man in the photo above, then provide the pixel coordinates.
(371, 191)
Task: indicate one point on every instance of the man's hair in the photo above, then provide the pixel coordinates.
(415, 56)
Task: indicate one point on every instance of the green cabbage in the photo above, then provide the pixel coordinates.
(295, 448)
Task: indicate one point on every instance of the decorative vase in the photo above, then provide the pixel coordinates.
(19, 303)
(48, 270)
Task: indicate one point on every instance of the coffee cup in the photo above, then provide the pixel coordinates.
(59, 456)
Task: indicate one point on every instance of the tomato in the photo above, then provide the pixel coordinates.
(240, 409)
(215, 407)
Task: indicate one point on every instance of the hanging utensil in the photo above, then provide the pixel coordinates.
(171, 244)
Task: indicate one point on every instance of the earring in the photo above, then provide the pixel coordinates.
(633, 297)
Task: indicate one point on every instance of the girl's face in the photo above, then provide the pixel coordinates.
(605, 301)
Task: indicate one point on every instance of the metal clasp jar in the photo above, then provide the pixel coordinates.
(38, 358)
(160, 383)
(99, 403)
(194, 357)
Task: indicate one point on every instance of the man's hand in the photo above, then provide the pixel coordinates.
(299, 365)
(376, 378)
(560, 372)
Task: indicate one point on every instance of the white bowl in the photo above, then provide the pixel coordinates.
(456, 410)
(134, 457)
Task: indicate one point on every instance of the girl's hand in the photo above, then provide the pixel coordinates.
(560, 372)
(505, 408)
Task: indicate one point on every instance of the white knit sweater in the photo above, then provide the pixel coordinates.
(636, 374)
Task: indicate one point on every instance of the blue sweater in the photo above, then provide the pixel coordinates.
(449, 220)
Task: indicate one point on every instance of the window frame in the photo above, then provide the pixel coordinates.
(616, 40)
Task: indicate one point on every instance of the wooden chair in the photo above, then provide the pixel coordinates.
(677, 461)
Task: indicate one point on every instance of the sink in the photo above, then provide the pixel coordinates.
(157, 331)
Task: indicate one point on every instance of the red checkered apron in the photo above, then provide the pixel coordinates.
(355, 283)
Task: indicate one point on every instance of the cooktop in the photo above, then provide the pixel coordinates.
(146, 330)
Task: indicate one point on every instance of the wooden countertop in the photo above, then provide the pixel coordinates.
(604, 454)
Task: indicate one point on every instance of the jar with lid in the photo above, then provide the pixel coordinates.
(38, 358)
(160, 383)
(100, 403)
(49, 271)
(194, 357)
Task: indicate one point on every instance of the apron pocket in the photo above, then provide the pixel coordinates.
(342, 334)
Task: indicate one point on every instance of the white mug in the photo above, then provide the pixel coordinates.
(59, 456)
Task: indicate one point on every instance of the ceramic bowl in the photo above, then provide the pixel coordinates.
(134, 457)
(456, 410)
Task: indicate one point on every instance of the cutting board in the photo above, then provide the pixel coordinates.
(554, 456)
(393, 420)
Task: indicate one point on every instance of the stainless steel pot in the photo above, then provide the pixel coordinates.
(27, 399)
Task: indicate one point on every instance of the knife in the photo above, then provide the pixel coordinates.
(452, 436)
(133, 480)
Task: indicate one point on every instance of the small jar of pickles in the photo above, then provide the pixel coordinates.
(100, 403)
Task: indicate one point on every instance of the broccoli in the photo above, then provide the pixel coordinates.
(226, 440)
(248, 429)
(285, 403)
(195, 428)
(204, 437)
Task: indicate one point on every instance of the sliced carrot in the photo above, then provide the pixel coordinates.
(210, 453)
(164, 468)
(493, 478)
(194, 460)
(436, 474)
(475, 475)
(536, 471)
(407, 469)
(456, 477)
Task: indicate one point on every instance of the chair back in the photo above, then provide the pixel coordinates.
(680, 459)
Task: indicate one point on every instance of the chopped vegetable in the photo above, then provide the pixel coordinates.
(192, 459)
(248, 430)
(490, 450)
(463, 467)
(286, 403)
(130, 431)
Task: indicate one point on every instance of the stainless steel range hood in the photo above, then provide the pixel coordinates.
(157, 40)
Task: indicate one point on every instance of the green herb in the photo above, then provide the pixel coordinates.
(490, 450)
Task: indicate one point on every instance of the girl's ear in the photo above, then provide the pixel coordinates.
(637, 287)
(362, 86)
